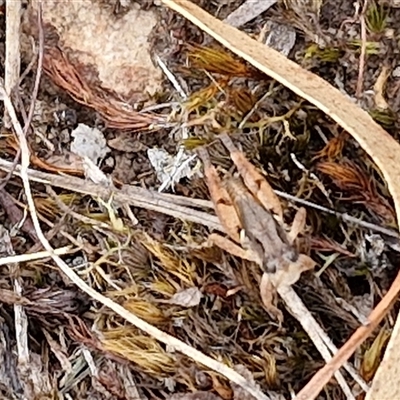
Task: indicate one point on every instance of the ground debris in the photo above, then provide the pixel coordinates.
(148, 257)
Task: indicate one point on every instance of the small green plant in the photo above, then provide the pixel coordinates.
(376, 17)
(329, 54)
(386, 118)
(371, 48)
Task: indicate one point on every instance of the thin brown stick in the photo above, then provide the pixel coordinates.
(323, 376)
(134, 196)
(321, 340)
(342, 216)
(147, 199)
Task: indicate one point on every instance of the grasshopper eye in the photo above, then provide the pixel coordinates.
(270, 266)
(291, 254)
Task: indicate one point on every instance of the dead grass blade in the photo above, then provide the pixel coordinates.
(176, 206)
(350, 178)
(347, 176)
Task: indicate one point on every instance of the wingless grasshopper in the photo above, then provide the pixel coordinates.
(252, 216)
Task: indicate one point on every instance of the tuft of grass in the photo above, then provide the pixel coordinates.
(171, 264)
(200, 100)
(218, 61)
(372, 48)
(385, 118)
(360, 187)
(193, 143)
(376, 17)
(328, 54)
(147, 311)
(49, 208)
(144, 351)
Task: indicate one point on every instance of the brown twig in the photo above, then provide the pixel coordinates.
(176, 206)
(342, 216)
(323, 376)
(321, 340)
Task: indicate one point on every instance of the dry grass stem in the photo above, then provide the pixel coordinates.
(135, 196)
(320, 339)
(12, 62)
(35, 256)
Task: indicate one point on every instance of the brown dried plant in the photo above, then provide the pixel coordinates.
(218, 61)
(333, 149)
(350, 178)
(65, 75)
